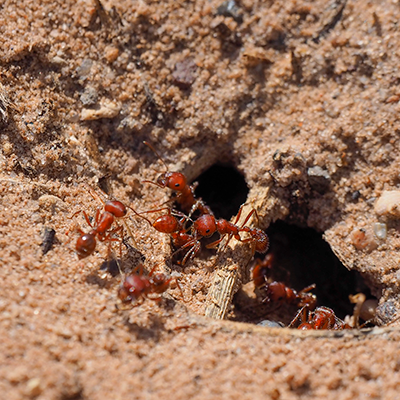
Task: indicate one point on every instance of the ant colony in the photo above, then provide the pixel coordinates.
(189, 221)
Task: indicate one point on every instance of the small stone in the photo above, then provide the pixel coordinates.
(51, 203)
(106, 110)
(380, 230)
(319, 178)
(389, 203)
(90, 96)
(230, 9)
(355, 195)
(48, 239)
(385, 312)
(363, 240)
(58, 60)
(271, 324)
(84, 69)
(111, 53)
(33, 387)
(184, 73)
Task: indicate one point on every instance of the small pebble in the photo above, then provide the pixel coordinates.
(380, 230)
(184, 74)
(33, 387)
(230, 9)
(319, 178)
(48, 239)
(111, 53)
(386, 312)
(106, 110)
(90, 96)
(84, 69)
(363, 240)
(271, 324)
(388, 203)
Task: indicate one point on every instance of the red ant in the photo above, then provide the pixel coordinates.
(137, 288)
(185, 193)
(206, 225)
(86, 243)
(168, 223)
(321, 318)
(103, 221)
(278, 291)
(258, 237)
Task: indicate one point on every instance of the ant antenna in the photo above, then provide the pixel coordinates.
(155, 152)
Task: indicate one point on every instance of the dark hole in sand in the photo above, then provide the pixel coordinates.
(224, 189)
(301, 258)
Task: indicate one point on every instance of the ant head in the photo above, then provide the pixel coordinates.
(160, 283)
(158, 279)
(172, 180)
(85, 245)
(205, 225)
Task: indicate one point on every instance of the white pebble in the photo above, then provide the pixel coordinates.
(380, 230)
(389, 203)
(106, 110)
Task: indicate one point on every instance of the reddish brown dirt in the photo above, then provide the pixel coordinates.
(300, 97)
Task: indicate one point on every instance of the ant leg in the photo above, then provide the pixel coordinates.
(153, 269)
(302, 312)
(129, 232)
(86, 217)
(156, 299)
(155, 210)
(193, 244)
(140, 268)
(308, 288)
(139, 215)
(239, 214)
(214, 244)
(125, 307)
(253, 211)
(180, 289)
(120, 250)
(357, 299)
(192, 253)
(94, 194)
(154, 183)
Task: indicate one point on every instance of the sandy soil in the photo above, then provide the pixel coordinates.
(301, 98)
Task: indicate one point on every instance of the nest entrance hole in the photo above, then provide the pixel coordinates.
(301, 258)
(223, 188)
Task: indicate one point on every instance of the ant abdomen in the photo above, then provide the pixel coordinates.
(132, 288)
(85, 245)
(167, 224)
(116, 208)
(261, 240)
